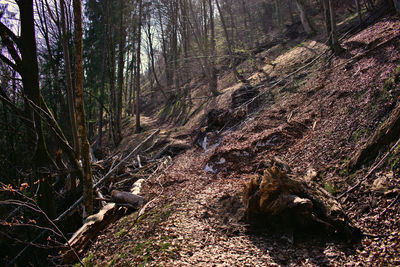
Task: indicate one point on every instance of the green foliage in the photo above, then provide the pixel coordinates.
(87, 261)
(120, 233)
(330, 188)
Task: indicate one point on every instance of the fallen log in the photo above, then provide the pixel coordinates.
(96, 223)
(120, 197)
(284, 202)
(89, 231)
(108, 175)
(387, 133)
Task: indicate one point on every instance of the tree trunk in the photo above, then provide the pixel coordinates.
(336, 47)
(101, 98)
(59, 98)
(153, 69)
(278, 13)
(327, 17)
(113, 94)
(138, 128)
(358, 11)
(304, 18)
(397, 6)
(69, 86)
(30, 81)
(87, 182)
(213, 82)
(230, 45)
(118, 115)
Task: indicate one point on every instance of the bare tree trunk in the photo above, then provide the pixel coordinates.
(153, 69)
(397, 6)
(336, 47)
(87, 182)
(358, 11)
(230, 45)
(327, 17)
(289, 2)
(213, 82)
(113, 94)
(278, 13)
(304, 18)
(103, 69)
(30, 81)
(45, 30)
(118, 115)
(69, 86)
(138, 128)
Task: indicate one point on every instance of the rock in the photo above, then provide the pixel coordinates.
(380, 185)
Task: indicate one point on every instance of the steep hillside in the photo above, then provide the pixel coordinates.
(306, 107)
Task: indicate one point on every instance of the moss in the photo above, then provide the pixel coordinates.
(393, 80)
(330, 188)
(87, 261)
(120, 233)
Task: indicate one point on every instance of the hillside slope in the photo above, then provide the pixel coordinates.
(312, 114)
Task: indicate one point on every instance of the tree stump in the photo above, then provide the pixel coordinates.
(279, 200)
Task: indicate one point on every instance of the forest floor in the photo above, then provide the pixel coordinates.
(314, 119)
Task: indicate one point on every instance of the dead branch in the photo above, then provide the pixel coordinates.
(31, 204)
(108, 175)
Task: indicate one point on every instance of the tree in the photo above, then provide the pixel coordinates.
(87, 182)
(397, 6)
(138, 128)
(27, 66)
(229, 42)
(336, 47)
(69, 86)
(358, 11)
(305, 21)
(118, 107)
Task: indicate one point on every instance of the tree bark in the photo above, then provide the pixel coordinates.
(138, 128)
(69, 84)
(153, 69)
(213, 82)
(327, 17)
(397, 6)
(336, 47)
(229, 44)
(103, 69)
(30, 81)
(358, 11)
(305, 21)
(118, 115)
(87, 182)
(278, 13)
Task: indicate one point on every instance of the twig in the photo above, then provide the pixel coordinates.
(391, 205)
(32, 205)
